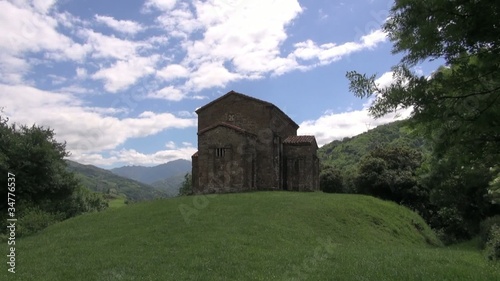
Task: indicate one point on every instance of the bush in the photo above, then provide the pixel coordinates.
(449, 225)
(486, 227)
(33, 219)
(330, 180)
(493, 244)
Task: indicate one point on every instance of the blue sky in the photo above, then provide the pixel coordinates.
(119, 81)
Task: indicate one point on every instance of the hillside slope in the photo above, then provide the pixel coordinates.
(346, 153)
(149, 175)
(170, 185)
(250, 236)
(100, 180)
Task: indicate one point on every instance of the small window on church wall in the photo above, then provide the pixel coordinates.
(220, 152)
(230, 117)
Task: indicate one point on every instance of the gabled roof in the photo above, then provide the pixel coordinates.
(195, 154)
(227, 125)
(230, 93)
(300, 140)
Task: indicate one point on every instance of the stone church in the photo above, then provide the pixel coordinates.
(249, 144)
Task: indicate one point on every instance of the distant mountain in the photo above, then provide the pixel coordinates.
(170, 185)
(149, 175)
(102, 180)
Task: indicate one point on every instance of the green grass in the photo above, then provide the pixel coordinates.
(249, 236)
(117, 202)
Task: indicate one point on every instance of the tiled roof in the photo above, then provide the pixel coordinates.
(300, 140)
(250, 98)
(230, 126)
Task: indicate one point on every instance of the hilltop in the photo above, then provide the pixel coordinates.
(248, 236)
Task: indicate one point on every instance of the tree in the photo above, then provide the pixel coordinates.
(391, 173)
(330, 180)
(43, 186)
(458, 197)
(459, 106)
(187, 185)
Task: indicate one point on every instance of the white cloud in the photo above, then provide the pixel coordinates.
(125, 73)
(373, 38)
(123, 26)
(86, 129)
(172, 71)
(28, 29)
(334, 126)
(43, 6)
(170, 145)
(164, 5)
(81, 73)
(210, 74)
(133, 157)
(12, 69)
(327, 53)
(104, 46)
(385, 80)
(167, 93)
(242, 40)
(179, 22)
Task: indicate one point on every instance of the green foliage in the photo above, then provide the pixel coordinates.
(187, 185)
(33, 219)
(459, 195)
(330, 180)
(391, 173)
(36, 159)
(494, 186)
(346, 155)
(86, 200)
(457, 109)
(493, 244)
(485, 229)
(45, 192)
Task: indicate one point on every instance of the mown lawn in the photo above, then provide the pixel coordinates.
(249, 236)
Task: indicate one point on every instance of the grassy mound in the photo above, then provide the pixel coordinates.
(250, 236)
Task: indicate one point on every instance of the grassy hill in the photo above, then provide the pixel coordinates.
(100, 180)
(249, 236)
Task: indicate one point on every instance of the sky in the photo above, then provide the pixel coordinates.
(119, 81)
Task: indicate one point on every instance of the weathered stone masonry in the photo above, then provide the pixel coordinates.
(248, 144)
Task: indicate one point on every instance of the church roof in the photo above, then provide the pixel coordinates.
(249, 98)
(300, 140)
(227, 125)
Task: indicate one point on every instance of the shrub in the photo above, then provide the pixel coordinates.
(33, 219)
(493, 244)
(330, 180)
(486, 227)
